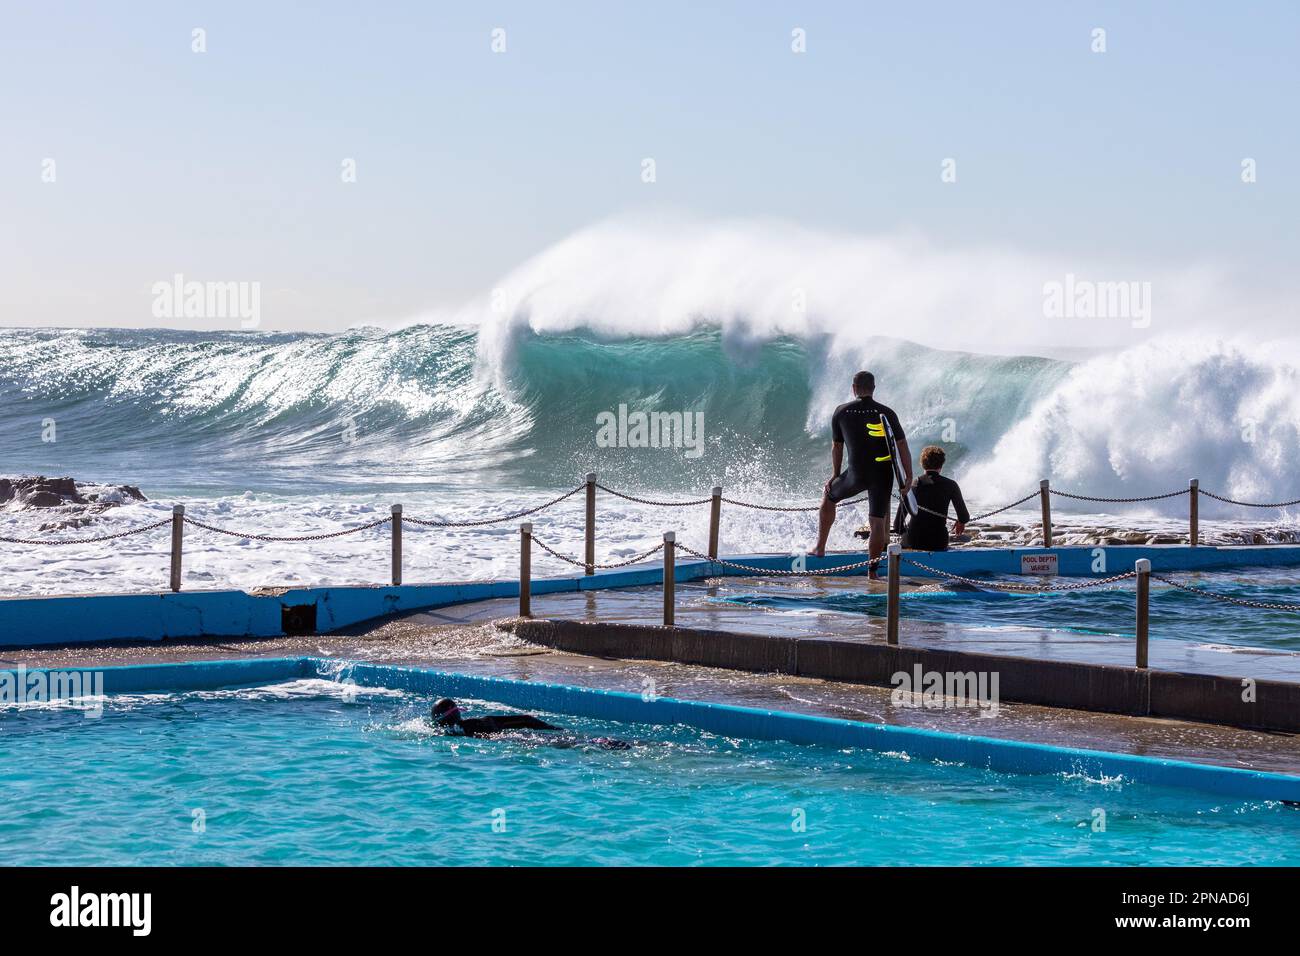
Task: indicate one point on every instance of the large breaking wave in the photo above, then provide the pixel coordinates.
(760, 329)
(417, 405)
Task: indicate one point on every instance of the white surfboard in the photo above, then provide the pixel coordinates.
(904, 492)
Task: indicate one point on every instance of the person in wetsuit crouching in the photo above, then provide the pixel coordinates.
(928, 530)
(446, 713)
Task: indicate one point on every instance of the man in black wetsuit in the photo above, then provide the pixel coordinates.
(870, 468)
(446, 713)
(928, 530)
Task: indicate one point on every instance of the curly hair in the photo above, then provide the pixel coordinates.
(932, 457)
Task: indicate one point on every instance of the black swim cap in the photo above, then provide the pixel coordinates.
(446, 711)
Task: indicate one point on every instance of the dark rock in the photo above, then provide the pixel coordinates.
(42, 499)
(78, 504)
(66, 523)
(65, 487)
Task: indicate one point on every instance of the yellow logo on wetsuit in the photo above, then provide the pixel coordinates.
(878, 431)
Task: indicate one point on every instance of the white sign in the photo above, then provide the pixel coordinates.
(1044, 564)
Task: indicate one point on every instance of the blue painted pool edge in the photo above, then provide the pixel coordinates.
(723, 719)
(730, 720)
(96, 618)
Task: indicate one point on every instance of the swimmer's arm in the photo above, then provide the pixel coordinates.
(523, 722)
(536, 723)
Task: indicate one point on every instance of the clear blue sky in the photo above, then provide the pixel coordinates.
(226, 165)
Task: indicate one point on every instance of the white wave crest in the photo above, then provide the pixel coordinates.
(1147, 419)
(760, 279)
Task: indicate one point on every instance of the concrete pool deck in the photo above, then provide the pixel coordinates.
(1240, 686)
(711, 605)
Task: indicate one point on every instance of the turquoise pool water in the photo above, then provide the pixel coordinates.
(1175, 614)
(314, 772)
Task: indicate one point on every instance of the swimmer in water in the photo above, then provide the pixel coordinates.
(446, 713)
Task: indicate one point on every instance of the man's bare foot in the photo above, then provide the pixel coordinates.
(817, 552)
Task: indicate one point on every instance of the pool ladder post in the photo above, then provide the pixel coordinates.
(178, 535)
(397, 545)
(1045, 499)
(1143, 569)
(591, 522)
(1194, 511)
(891, 620)
(670, 576)
(526, 569)
(715, 518)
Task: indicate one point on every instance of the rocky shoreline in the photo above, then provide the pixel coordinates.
(1066, 534)
(70, 504)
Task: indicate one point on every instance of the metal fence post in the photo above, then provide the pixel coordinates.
(591, 522)
(1194, 511)
(1143, 568)
(178, 534)
(891, 623)
(397, 545)
(1045, 494)
(670, 576)
(526, 569)
(715, 517)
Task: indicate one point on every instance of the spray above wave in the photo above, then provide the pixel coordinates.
(759, 281)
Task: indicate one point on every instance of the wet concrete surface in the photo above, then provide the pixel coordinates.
(701, 604)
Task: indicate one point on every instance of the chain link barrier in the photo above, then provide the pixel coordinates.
(279, 538)
(1250, 504)
(103, 537)
(792, 508)
(428, 523)
(1224, 598)
(1028, 588)
(758, 507)
(988, 514)
(998, 511)
(1119, 501)
(871, 562)
(635, 559)
(659, 504)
